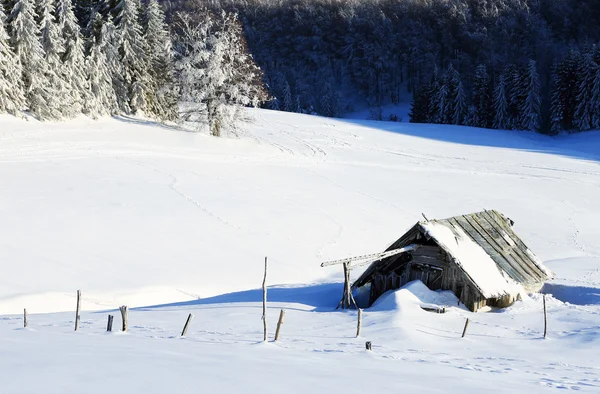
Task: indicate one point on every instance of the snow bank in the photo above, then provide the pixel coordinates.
(484, 272)
(413, 295)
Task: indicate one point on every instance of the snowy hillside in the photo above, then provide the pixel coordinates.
(138, 214)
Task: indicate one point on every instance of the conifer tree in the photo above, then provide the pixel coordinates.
(531, 106)
(41, 100)
(515, 95)
(216, 69)
(72, 57)
(482, 100)
(460, 105)
(12, 97)
(110, 48)
(564, 92)
(53, 46)
(160, 57)
(501, 117)
(288, 104)
(584, 118)
(133, 55)
(102, 99)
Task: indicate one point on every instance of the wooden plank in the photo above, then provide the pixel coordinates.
(369, 258)
(515, 253)
(519, 245)
(510, 265)
(77, 310)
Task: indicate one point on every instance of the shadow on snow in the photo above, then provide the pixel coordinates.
(576, 295)
(584, 145)
(322, 297)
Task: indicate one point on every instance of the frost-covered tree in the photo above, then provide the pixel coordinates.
(482, 100)
(53, 47)
(288, 104)
(531, 106)
(73, 59)
(110, 48)
(102, 99)
(12, 97)
(460, 108)
(585, 116)
(501, 117)
(274, 104)
(160, 58)
(217, 73)
(134, 57)
(564, 92)
(25, 32)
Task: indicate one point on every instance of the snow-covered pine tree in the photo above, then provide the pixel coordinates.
(557, 107)
(160, 57)
(516, 92)
(419, 110)
(298, 105)
(455, 109)
(53, 46)
(325, 101)
(110, 39)
(217, 72)
(102, 98)
(73, 58)
(134, 57)
(482, 101)
(439, 102)
(564, 92)
(41, 100)
(584, 112)
(500, 110)
(531, 106)
(595, 104)
(12, 97)
(288, 104)
(460, 105)
(274, 104)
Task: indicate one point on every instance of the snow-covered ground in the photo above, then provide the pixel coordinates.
(134, 213)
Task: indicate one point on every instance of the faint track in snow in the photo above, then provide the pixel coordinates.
(173, 186)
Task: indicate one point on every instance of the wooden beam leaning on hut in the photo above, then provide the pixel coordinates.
(358, 261)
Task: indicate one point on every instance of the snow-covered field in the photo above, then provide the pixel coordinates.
(134, 213)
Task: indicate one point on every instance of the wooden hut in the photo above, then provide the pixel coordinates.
(478, 256)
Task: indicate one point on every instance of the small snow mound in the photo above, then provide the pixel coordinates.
(413, 295)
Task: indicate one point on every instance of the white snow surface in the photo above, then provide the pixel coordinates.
(476, 263)
(170, 222)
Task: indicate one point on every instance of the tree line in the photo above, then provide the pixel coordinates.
(118, 57)
(518, 64)
(329, 56)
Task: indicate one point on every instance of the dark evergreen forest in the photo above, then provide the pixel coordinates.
(519, 64)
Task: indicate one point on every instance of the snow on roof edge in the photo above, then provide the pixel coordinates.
(490, 280)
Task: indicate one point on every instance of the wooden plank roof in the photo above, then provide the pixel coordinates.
(491, 231)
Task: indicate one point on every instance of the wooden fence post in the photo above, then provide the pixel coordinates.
(368, 345)
(359, 324)
(110, 323)
(279, 323)
(187, 324)
(545, 319)
(465, 329)
(264, 316)
(77, 311)
(24, 318)
(124, 316)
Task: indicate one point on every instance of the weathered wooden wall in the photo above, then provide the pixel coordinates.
(431, 265)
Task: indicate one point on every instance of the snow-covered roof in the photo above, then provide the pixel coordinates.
(473, 260)
(484, 246)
